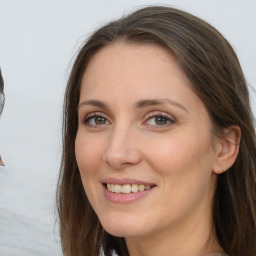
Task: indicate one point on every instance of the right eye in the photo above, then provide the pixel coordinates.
(95, 120)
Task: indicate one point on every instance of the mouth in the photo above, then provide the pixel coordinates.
(127, 188)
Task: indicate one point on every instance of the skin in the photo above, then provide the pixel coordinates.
(179, 155)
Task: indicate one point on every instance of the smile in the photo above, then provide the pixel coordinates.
(127, 188)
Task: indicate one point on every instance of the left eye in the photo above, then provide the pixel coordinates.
(160, 120)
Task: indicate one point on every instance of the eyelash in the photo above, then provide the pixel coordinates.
(167, 117)
(92, 116)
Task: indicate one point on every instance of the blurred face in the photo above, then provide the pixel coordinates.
(1, 94)
(143, 147)
(1, 105)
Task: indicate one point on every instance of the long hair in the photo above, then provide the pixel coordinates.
(214, 71)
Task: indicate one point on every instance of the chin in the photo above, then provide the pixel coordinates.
(123, 227)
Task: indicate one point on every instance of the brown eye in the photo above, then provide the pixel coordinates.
(159, 120)
(100, 120)
(96, 121)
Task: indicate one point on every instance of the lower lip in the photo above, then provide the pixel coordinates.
(125, 198)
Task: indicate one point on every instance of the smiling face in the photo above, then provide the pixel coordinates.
(142, 128)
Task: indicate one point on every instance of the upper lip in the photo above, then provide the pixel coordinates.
(126, 181)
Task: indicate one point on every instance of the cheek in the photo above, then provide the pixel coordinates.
(185, 171)
(88, 154)
(172, 155)
(183, 150)
(184, 163)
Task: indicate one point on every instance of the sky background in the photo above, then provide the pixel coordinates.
(39, 40)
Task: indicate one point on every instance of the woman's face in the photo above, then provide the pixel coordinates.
(144, 146)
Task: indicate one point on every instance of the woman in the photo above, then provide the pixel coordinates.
(159, 143)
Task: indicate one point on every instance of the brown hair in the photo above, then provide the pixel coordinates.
(1, 93)
(212, 66)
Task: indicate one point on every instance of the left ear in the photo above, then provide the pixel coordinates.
(227, 149)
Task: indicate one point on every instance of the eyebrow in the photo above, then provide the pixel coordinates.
(152, 102)
(95, 103)
(140, 104)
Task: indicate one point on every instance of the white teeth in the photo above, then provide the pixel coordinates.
(127, 188)
(141, 187)
(135, 188)
(112, 188)
(118, 188)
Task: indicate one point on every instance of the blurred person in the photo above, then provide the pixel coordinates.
(1, 104)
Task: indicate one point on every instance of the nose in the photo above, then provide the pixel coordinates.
(122, 149)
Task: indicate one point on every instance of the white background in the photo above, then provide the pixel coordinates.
(38, 39)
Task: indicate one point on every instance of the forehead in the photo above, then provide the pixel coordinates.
(132, 65)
